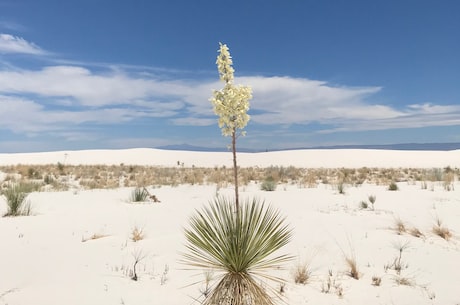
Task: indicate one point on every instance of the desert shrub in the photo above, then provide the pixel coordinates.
(363, 205)
(341, 187)
(376, 280)
(269, 184)
(393, 187)
(448, 181)
(139, 194)
(48, 179)
(372, 199)
(60, 167)
(16, 199)
(33, 173)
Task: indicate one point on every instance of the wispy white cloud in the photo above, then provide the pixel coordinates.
(412, 116)
(11, 25)
(27, 116)
(55, 97)
(14, 44)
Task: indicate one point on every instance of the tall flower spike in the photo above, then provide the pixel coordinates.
(231, 104)
(224, 64)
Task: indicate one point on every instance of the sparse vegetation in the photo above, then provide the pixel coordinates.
(139, 194)
(269, 184)
(137, 234)
(393, 186)
(16, 199)
(350, 260)
(398, 265)
(302, 273)
(416, 232)
(352, 267)
(399, 226)
(376, 280)
(94, 236)
(363, 205)
(372, 199)
(440, 230)
(138, 256)
(331, 284)
(341, 187)
(113, 176)
(405, 281)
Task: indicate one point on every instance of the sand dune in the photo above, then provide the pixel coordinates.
(76, 248)
(351, 158)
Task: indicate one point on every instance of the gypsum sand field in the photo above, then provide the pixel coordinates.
(78, 247)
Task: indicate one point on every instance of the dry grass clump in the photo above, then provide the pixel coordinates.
(416, 232)
(332, 284)
(137, 234)
(399, 226)
(94, 236)
(405, 281)
(352, 267)
(351, 262)
(448, 179)
(302, 273)
(376, 280)
(440, 230)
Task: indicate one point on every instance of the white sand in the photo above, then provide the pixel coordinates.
(351, 158)
(44, 260)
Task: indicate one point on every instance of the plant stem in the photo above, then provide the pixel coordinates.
(235, 169)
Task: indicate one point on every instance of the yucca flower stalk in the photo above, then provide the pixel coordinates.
(238, 248)
(231, 104)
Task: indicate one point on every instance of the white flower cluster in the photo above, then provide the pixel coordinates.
(231, 103)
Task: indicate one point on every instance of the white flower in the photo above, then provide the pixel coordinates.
(231, 103)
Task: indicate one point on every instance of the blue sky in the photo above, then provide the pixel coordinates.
(119, 74)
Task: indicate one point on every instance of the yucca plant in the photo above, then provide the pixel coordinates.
(237, 246)
(139, 194)
(16, 199)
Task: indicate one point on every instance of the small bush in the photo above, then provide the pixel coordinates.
(48, 179)
(341, 187)
(268, 185)
(376, 280)
(393, 187)
(372, 199)
(139, 195)
(16, 199)
(363, 205)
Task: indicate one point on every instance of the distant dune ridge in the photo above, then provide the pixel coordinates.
(309, 158)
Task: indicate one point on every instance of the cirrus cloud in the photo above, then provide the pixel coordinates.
(14, 44)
